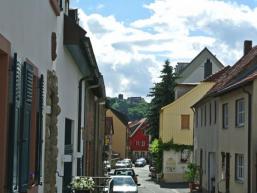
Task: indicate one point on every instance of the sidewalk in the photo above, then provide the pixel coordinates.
(181, 185)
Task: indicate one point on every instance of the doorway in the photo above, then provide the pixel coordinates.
(227, 170)
(67, 177)
(211, 172)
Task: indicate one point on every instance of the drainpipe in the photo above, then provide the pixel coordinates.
(193, 109)
(249, 138)
(79, 114)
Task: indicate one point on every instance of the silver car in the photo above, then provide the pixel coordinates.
(122, 184)
(120, 164)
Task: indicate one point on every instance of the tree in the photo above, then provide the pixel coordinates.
(163, 94)
(135, 111)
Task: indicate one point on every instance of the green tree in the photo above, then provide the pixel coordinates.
(162, 94)
(132, 111)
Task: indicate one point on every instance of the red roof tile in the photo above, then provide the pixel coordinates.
(232, 72)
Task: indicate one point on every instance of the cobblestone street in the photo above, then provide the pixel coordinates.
(150, 186)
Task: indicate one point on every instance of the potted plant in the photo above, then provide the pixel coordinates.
(191, 175)
(82, 184)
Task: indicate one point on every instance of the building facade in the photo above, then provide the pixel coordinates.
(138, 139)
(190, 74)
(120, 133)
(48, 85)
(176, 124)
(26, 57)
(225, 128)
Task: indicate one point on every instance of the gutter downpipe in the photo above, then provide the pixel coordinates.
(79, 116)
(194, 160)
(249, 138)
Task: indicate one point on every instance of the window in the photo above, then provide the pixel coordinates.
(207, 68)
(196, 118)
(205, 115)
(137, 143)
(240, 113)
(210, 114)
(201, 116)
(68, 143)
(225, 115)
(185, 121)
(239, 164)
(143, 143)
(215, 112)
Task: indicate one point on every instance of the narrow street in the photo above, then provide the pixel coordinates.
(150, 186)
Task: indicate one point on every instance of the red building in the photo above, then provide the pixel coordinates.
(138, 139)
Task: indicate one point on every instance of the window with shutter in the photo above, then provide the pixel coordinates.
(185, 121)
(27, 80)
(14, 127)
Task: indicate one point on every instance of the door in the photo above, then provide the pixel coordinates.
(67, 177)
(201, 167)
(211, 172)
(227, 175)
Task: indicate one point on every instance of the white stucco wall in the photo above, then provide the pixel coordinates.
(196, 68)
(68, 81)
(173, 168)
(28, 26)
(198, 74)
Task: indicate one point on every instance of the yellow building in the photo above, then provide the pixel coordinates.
(176, 122)
(119, 139)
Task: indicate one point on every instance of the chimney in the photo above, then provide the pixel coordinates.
(73, 14)
(247, 46)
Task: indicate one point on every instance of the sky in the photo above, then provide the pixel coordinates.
(132, 38)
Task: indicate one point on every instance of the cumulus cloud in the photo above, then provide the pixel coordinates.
(130, 55)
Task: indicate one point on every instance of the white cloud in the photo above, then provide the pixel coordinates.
(177, 29)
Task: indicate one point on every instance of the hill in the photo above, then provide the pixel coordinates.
(134, 107)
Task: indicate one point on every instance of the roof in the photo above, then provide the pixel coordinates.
(242, 71)
(122, 117)
(199, 90)
(187, 68)
(216, 76)
(138, 125)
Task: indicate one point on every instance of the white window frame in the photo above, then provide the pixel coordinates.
(143, 143)
(137, 143)
(240, 113)
(239, 164)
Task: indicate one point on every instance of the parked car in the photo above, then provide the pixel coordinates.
(122, 184)
(126, 172)
(141, 162)
(128, 162)
(120, 164)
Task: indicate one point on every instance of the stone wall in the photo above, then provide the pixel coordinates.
(51, 133)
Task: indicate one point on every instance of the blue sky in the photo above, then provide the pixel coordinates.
(132, 38)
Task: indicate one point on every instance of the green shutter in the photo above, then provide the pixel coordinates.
(25, 126)
(13, 163)
(40, 94)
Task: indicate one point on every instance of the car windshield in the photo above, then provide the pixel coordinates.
(124, 172)
(119, 162)
(123, 181)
